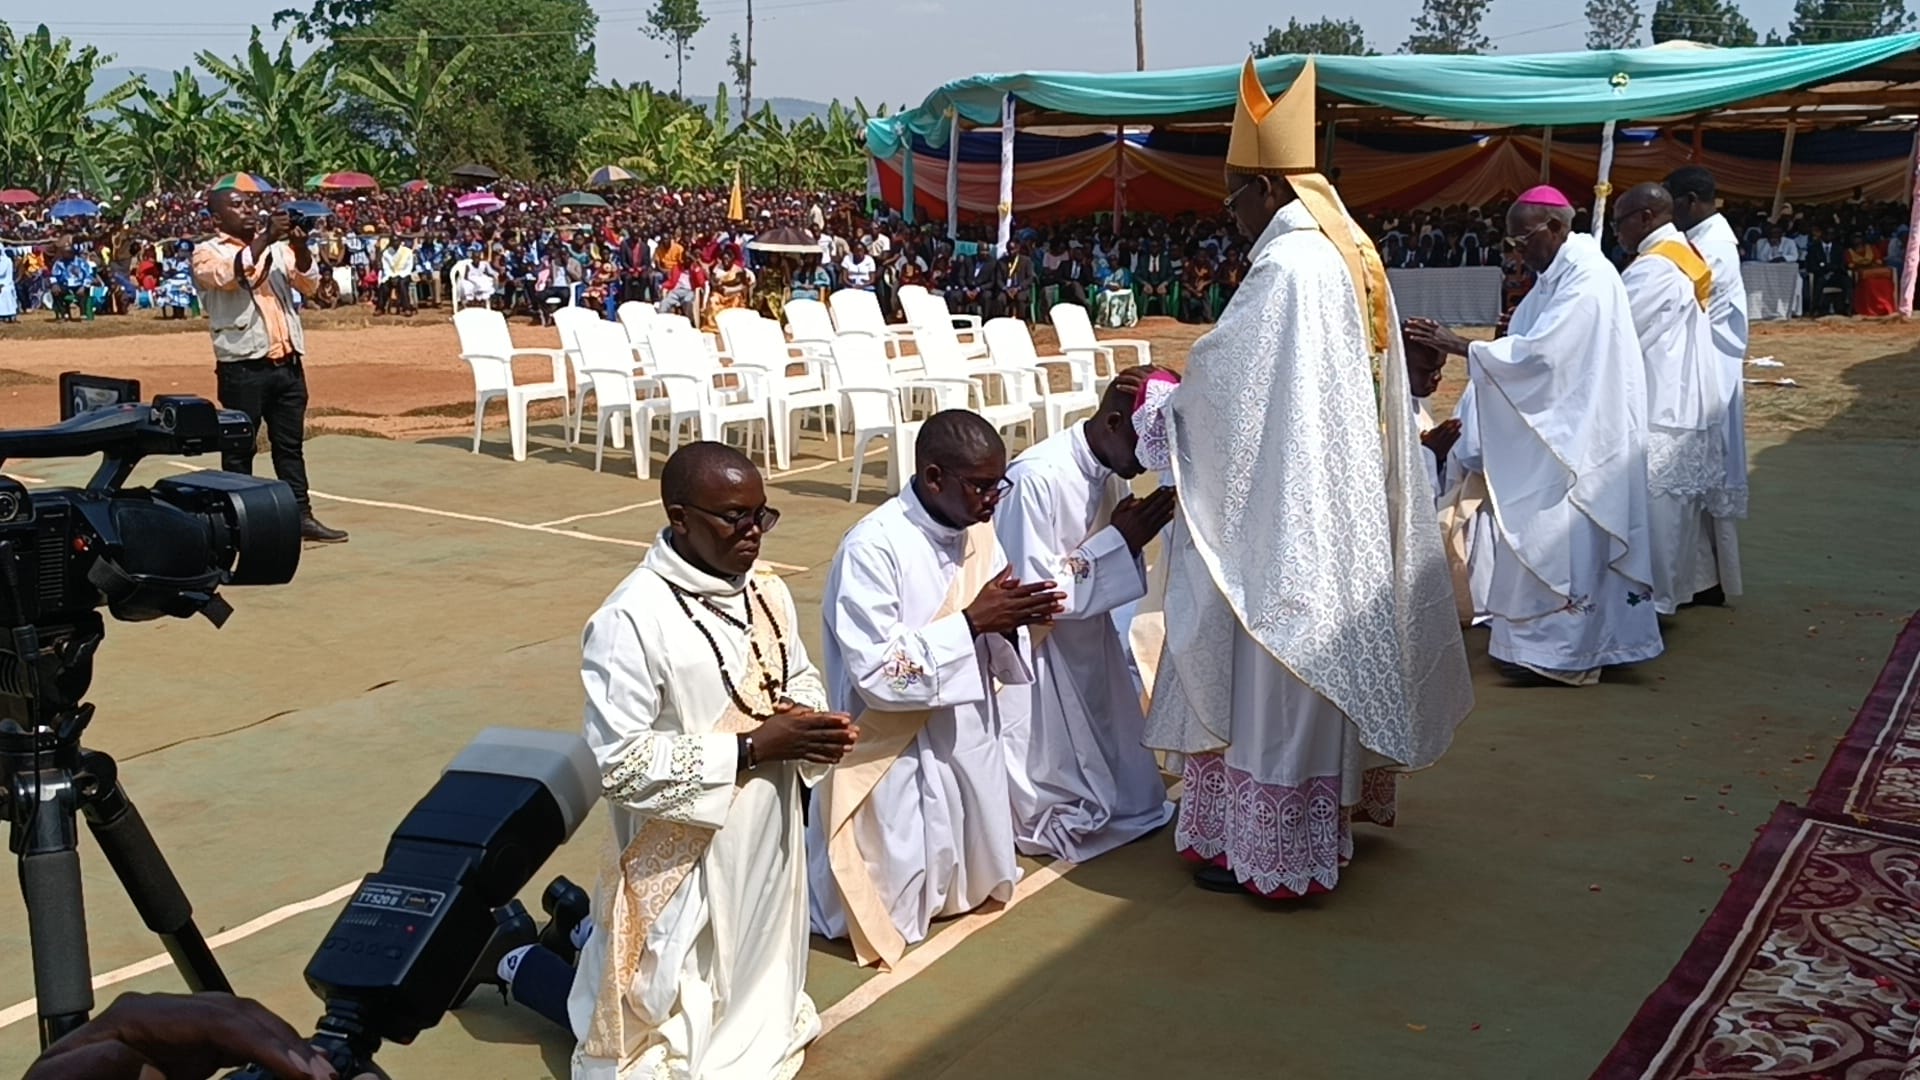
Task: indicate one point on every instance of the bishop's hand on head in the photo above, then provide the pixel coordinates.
(1005, 605)
(1432, 335)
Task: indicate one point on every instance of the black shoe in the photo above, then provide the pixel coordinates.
(566, 904)
(1714, 597)
(513, 927)
(311, 529)
(1218, 879)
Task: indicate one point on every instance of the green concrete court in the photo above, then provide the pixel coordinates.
(1545, 875)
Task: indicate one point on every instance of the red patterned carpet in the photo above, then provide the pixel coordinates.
(1808, 967)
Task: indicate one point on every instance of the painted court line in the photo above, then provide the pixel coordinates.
(502, 522)
(13, 1014)
(936, 947)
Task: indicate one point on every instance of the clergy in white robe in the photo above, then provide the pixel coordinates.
(1311, 649)
(1561, 407)
(9, 290)
(916, 824)
(1694, 201)
(1081, 782)
(697, 967)
(1668, 285)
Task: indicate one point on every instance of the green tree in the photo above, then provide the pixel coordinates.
(170, 141)
(1613, 24)
(742, 69)
(1708, 22)
(1817, 21)
(417, 95)
(673, 23)
(515, 102)
(1328, 37)
(1449, 26)
(50, 133)
(285, 110)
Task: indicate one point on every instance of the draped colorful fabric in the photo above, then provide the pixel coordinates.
(1067, 178)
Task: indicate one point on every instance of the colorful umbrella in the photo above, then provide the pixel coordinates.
(67, 208)
(17, 197)
(348, 181)
(415, 185)
(581, 198)
(478, 202)
(314, 181)
(243, 181)
(609, 175)
(477, 173)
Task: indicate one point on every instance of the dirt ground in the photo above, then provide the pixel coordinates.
(1543, 879)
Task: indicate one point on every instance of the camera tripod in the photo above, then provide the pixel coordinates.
(46, 780)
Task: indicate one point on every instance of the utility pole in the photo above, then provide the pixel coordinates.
(746, 103)
(1139, 35)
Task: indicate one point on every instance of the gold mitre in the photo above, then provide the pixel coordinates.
(1273, 135)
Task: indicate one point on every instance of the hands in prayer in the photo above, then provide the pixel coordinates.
(796, 733)
(1441, 439)
(1140, 520)
(1434, 336)
(1006, 605)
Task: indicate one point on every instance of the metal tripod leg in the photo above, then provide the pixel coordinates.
(44, 835)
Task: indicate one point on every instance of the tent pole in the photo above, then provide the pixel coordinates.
(1786, 166)
(1911, 264)
(1546, 154)
(908, 183)
(1699, 134)
(1602, 187)
(1006, 176)
(953, 175)
(1119, 174)
(1326, 151)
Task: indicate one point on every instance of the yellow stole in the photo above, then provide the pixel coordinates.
(635, 884)
(845, 791)
(1681, 253)
(1363, 261)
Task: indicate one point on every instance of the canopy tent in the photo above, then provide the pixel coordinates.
(1779, 87)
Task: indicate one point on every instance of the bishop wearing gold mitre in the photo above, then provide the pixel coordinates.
(1312, 651)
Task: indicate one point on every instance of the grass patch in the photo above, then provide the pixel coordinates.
(11, 378)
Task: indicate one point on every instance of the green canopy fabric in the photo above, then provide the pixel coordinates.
(1553, 88)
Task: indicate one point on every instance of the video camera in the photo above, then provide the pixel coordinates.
(393, 961)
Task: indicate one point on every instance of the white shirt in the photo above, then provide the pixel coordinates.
(1770, 252)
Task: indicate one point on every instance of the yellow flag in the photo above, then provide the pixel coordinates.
(737, 202)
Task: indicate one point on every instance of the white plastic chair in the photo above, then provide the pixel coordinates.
(810, 324)
(1013, 351)
(956, 384)
(687, 374)
(568, 322)
(859, 310)
(606, 362)
(872, 400)
(487, 347)
(930, 319)
(759, 343)
(1076, 335)
(934, 311)
(638, 319)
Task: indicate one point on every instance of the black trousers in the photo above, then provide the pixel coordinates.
(274, 395)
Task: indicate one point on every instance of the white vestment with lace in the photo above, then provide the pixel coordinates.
(1310, 626)
(720, 991)
(1686, 412)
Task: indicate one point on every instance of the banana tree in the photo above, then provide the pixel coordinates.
(49, 136)
(285, 109)
(415, 94)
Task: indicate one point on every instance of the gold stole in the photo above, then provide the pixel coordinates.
(844, 792)
(636, 884)
(1362, 259)
(1682, 254)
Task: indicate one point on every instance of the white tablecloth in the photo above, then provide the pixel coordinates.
(1450, 296)
(1774, 290)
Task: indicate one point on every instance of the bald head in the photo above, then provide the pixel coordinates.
(698, 468)
(1641, 211)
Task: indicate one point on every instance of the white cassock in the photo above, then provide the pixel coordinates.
(1728, 308)
(717, 990)
(1686, 410)
(1081, 782)
(935, 836)
(1561, 403)
(9, 298)
(1310, 630)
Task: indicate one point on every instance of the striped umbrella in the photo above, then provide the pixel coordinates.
(348, 181)
(478, 202)
(609, 175)
(242, 181)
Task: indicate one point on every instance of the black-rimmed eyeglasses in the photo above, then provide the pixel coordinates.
(739, 521)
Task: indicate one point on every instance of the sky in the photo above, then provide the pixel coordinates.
(895, 51)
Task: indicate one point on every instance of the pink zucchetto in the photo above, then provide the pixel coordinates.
(1544, 195)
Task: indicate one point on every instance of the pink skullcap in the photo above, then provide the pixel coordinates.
(1544, 195)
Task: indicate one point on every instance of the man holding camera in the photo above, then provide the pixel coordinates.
(247, 275)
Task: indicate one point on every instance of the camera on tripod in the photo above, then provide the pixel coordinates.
(141, 553)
